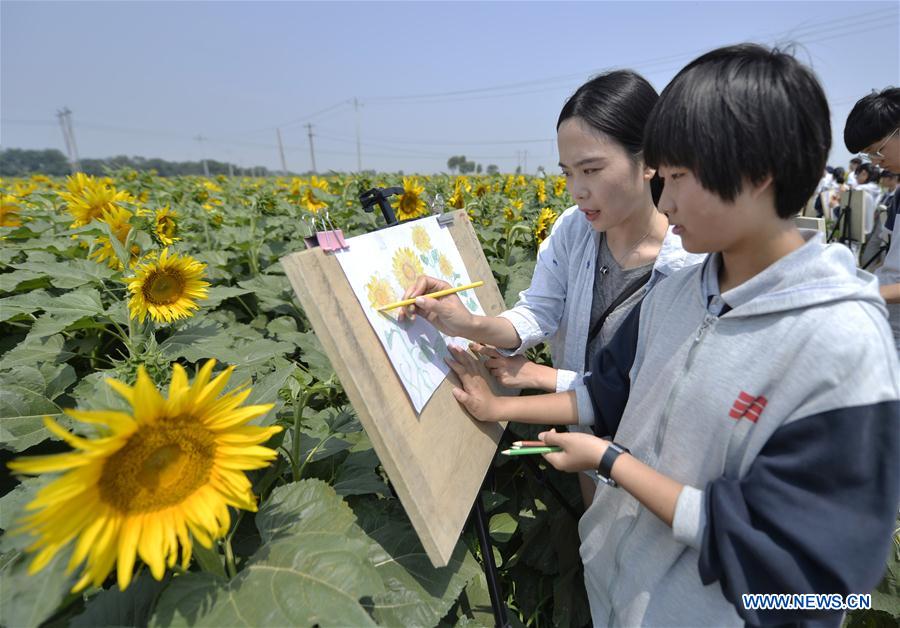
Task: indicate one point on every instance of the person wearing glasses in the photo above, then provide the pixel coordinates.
(873, 131)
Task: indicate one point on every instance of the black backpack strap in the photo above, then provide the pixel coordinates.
(629, 290)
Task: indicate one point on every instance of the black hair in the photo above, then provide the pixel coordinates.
(887, 174)
(616, 104)
(744, 111)
(839, 175)
(871, 118)
(857, 160)
(869, 169)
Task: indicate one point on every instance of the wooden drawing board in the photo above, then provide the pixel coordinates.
(436, 460)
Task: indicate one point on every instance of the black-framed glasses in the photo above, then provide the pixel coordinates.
(877, 153)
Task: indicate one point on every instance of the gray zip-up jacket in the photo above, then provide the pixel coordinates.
(776, 405)
(556, 306)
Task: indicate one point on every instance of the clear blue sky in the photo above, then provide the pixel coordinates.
(433, 79)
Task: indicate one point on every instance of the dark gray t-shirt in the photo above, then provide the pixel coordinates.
(607, 286)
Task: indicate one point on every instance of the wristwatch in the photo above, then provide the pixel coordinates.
(604, 469)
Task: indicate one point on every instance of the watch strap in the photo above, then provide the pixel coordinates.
(604, 469)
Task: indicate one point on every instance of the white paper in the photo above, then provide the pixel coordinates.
(380, 266)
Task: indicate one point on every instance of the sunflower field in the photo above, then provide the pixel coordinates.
(177, 449)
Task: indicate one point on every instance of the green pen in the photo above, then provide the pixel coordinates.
(524, 451)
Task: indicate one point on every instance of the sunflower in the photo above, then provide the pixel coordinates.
(119, 221)
(544, 222)
(509, 184)
(411, 203)
(540, 191)
(420, 238)
(379, 291)
(9, 211)
(406, 267)
(445, 266)
(212, 187)
(88, 198)
(511, 211)
(166, 288)
(158, 478)
(23, 188)
(319, 183)
(482, 188)
(164, 225)
(310, 201)
(559, 186)
(460, 186)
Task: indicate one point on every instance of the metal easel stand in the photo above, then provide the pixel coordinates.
(501, 619)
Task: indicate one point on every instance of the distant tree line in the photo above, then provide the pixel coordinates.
(464, 166)
(18, 162)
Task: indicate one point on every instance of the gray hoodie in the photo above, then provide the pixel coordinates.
(776, 405)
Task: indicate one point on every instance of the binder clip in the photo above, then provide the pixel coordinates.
(379, 196)
(329, 238)
(437, 207)
(310, 238)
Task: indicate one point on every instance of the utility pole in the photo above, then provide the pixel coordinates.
(281, 153)
(525, 166)
(312, 152)
(358, 151)
(65, 123)
(200, 140)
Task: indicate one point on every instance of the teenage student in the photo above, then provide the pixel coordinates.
(601, 256)
(873, 128)
(752, 400)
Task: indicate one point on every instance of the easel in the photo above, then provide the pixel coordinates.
(440, 488)
(379, 197)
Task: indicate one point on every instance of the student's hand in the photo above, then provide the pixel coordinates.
(516, 371)
(475, 394)
(581, 452)
(447, 314)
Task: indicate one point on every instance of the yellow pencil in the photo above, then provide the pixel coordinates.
(433, 295)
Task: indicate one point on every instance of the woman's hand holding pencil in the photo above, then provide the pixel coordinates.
(447, 313)
(475, 394)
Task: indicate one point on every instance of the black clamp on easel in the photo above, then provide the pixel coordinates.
(379, 196)
(841, 229)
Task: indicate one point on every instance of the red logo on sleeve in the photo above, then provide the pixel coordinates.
(747, 406)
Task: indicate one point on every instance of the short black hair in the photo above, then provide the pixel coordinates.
(871, 118)
(868, 168)
(839, 175)
(857, 160)
(744, 111)
(887, 174)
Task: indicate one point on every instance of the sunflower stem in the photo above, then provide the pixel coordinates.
(299, 406)
(230, 566)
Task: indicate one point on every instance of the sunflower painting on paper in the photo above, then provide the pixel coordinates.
(407, 267)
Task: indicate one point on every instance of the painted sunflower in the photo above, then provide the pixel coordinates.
(406, 267)
(420, 238)
(379, 292)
